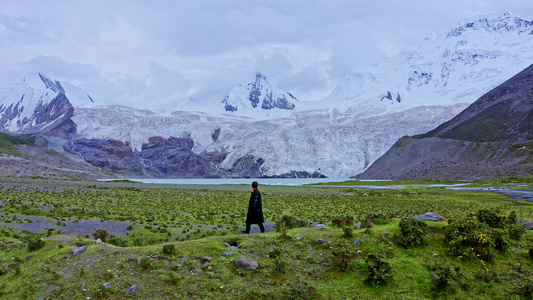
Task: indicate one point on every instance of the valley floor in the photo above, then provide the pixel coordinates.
(181, 242)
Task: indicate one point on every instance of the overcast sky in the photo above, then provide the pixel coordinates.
(158, 53)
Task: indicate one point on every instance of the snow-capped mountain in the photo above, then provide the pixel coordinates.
(36, 103)
(260, 130)
(258, 97)
(457, 67)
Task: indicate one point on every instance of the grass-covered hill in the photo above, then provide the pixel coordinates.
(491, 138)
(182, 243)
(8, 142)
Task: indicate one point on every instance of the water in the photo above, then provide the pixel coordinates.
(247, 181)
(525, 194)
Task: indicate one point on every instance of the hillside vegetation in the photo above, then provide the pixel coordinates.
(8, 142)
(182, 242)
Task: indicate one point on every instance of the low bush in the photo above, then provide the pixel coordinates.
(101, 234)
(471, 239)
(512, 219)
(117, 241)
(300, 290)
(411, 233)
(375, 219)
(367, 223)
(342, 222)
(34, 241)
(348, 232)
(169, 249)
(445, 276)
(490, 218)
(343, 255)
(516, 231)
(288, 222)
(378, 270)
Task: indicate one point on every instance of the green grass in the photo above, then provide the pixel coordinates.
(8, 142)
(292, 264)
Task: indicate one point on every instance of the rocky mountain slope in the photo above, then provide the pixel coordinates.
(258, 130)
(35, 103)
(493, 137)
(28, 156)
(258, 94)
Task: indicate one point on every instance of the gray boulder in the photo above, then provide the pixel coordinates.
(132, 290)
(431, 216)
(246, 264)
(79, 250)
(529, 225)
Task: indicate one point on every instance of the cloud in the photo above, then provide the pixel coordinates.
(165, 51)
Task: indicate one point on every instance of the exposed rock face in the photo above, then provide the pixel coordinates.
(299, 174)
(174, 157)
(258, 93)
(247, 166)
(45, 118)
(108, 154)
(160, 157)
(493, 137)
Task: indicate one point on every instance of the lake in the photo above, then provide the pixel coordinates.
(222, 181)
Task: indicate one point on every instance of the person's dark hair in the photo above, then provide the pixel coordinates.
(255, 184)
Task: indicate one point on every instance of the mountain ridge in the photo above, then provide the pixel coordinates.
(338, 136)
(493, 137)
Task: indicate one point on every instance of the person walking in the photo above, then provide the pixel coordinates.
(255, 210)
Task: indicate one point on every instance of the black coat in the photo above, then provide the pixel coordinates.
(255, 209)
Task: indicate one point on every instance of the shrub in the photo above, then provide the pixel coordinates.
(300, 290)
(411, 233)
(374, 219)
(117, 241)
(512, 219)
(367, 223)
(169, 249)
(445, 276)
(526, 290)
(146, 263)
(288, 222)
(173, 278)
(531, 253)
(342, 222)
(348, 232)
(471, 239)
(343, 255)
(490, 218)
(516, 231)
(378, 270)
(101, 234)
(34, 241)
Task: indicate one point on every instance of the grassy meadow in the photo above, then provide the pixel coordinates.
(182, 242)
